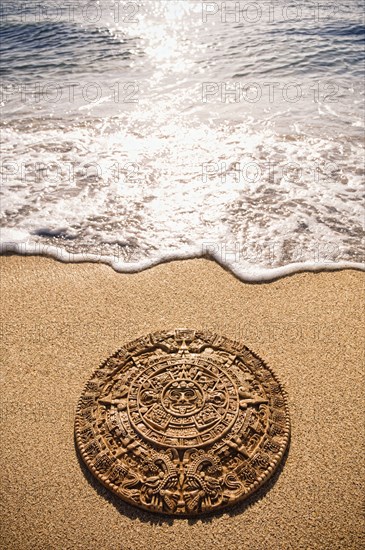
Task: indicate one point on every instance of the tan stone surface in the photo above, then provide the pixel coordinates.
(183, 422)
(60, 320)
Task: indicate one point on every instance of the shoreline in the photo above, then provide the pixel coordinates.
(255, 274)
(60, 320)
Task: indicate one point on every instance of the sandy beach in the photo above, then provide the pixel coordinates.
(59, 321)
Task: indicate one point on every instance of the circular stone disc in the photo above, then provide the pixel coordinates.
(182, 422)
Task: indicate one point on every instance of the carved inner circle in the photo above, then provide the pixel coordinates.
(176, 403)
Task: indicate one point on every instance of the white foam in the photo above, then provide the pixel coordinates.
(245, 272)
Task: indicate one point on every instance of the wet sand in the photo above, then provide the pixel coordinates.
(59, 321)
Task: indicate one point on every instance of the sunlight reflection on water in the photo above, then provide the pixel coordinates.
(150, 163)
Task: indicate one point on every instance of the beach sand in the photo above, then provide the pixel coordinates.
(59, 321)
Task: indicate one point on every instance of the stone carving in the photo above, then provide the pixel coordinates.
(182, 422)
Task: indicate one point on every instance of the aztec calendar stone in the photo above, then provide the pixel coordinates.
(182, 422)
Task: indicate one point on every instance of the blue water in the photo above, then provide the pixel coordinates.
(164, 130)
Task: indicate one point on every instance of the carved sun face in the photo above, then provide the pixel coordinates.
(182, 397)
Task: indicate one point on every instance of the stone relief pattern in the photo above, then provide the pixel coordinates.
(182, 422)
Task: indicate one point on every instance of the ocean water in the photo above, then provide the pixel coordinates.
(136, 132)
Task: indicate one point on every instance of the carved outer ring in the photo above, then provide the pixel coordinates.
(264, 477)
